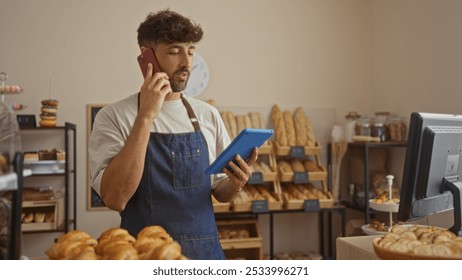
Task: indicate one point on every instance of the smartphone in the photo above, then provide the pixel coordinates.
(148, 56)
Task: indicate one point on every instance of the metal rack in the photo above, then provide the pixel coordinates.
(70, 174)
(366, 146)
(323, 212)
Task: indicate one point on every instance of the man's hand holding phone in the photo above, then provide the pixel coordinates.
(155, 87)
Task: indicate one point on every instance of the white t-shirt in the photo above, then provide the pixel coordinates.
(114, 122)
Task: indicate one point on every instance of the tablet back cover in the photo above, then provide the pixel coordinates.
(243, 145)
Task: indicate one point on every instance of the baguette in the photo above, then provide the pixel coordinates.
(255, 120)
(290, 128)
(279, 127)
(240, 120)
(300, 127)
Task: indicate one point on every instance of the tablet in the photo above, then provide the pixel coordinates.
(243, 144)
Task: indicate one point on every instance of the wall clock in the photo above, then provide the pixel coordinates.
(199, 77)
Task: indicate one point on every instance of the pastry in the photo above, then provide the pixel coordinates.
(39, 217)
(47, 123)
(48, 113)
(28, 218)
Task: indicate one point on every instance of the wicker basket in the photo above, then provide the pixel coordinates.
(386, 254)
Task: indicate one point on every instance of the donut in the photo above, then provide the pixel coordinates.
(48, 116)
(49, 109)
(47, 123)
(50, 102)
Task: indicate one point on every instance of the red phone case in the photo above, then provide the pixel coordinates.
(146, 57)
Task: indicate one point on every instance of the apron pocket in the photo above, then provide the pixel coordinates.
(187, 167)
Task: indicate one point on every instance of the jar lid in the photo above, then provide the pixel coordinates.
(352, 115)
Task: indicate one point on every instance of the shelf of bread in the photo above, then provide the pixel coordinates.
(252, 193)
(266, 170)
(288, 168)
(293, 133)
(39, 215)
(295, 195)
(240, 238)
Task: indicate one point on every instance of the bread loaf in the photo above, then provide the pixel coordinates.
(297, 165)
(300, 127)
(232, 124)
(255, 120)
(311, 166)
(224, 117)
(279, 126)
(240, 120)
(290, 128)
(284, 166)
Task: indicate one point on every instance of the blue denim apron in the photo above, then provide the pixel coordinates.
(175, 193)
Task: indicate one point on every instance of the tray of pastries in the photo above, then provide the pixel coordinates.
(418, 242)
(383, 204)
(151, 243)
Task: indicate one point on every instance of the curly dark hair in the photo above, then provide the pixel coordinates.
(167, 27)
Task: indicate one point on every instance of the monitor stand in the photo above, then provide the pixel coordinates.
(455, 187)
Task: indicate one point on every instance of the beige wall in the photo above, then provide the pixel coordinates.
(347, 55)
(416, 56)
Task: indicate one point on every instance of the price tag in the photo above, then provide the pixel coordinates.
(301, 178)
(256, 179)
(297, 152)
(260, 206)
(311, 205)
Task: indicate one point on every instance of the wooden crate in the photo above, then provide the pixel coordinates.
(312, 175)
(244, 254)
(272, 205)
(242, 247)
(285, 150)
(292, 204)
(45, 206)
(219, 207)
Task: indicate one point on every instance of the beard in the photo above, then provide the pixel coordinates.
(179, 85)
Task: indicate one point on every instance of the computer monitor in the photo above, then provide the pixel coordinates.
(432, 168)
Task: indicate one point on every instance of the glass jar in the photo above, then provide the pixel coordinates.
(363, 127)
(396, 128)
(350, 124)
(379, 130)
(381, 117)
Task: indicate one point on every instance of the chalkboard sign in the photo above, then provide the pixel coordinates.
(94, 201)
(26, 121)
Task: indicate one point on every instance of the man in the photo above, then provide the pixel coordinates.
(148, 152)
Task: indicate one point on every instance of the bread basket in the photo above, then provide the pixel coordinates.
(386, 254)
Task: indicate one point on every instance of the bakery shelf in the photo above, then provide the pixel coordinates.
(238, 238)
(312, 175)
(35, 138)
(219, 207)
(308, 150)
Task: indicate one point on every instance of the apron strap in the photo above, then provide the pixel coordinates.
(189, 109)
(191, 114)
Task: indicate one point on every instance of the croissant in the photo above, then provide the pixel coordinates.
(149, 231)
(168, 251)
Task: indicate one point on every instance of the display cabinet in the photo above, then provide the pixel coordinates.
(49, 203)
(366, 148)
